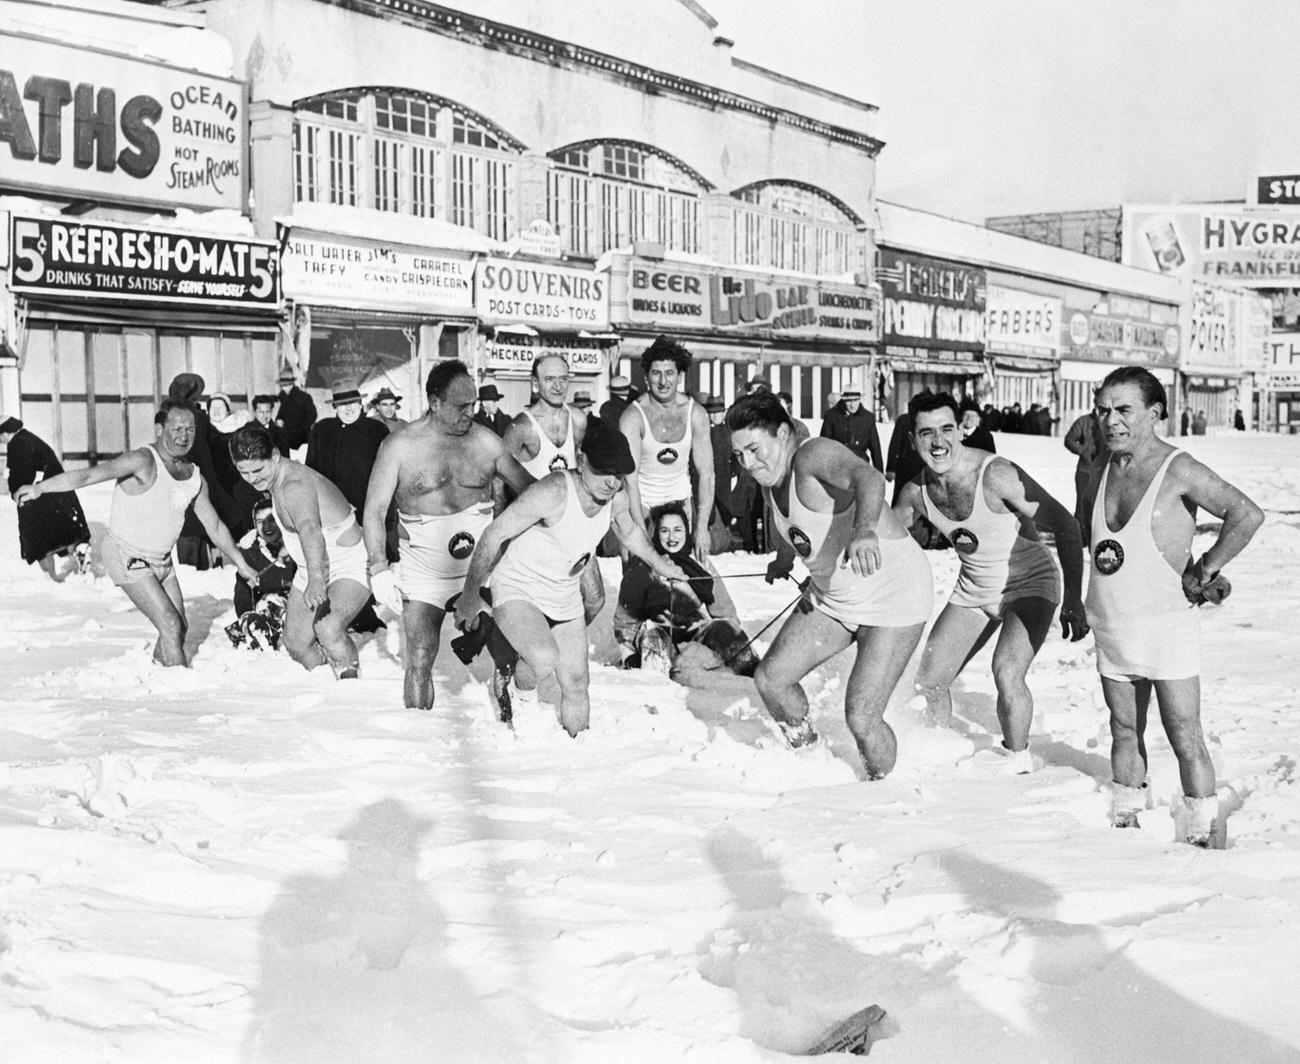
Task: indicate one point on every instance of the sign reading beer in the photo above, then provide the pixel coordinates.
(507, 351)
(508, 290)
(1022, 323)
(932, 304)
(74, 121)
(354, 273)
(1112, 338)
(660, 294)
(1250, 248)
(101, 260)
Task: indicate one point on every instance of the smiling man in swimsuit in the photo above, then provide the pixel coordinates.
(1143, 577)
(321, 534)
(990, 510)
(870, 584)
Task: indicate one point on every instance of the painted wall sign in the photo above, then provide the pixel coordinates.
(338, 271)
(1022, 323)
(1109, 338)
(91, 124)
(932, 304)
(101, 260)
(535, 293)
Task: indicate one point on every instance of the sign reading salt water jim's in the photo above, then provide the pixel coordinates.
(337, 271)
(79, 122)
(657, 294)
(515, 353)
(934, 310)
(102, 260)
(510, 291)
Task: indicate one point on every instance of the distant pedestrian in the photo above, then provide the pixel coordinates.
(1086, 440)
(801, 431)
(383, 408)
(1199, 423)
(850, 423)
(974, 432)
(297, 413)
(264, 415)
(1184, 422)
(51, 525)
(489, 414)
(342, 448)
(620, 395)
(583, 401)
(1239, 420)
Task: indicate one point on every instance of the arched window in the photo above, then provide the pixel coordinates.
(792, 226)
(406, 152)
(604, 194)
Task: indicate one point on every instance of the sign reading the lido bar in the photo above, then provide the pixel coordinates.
(99, 260)
(662, 294)
(76, 121)
(342, 272)
(510, 290)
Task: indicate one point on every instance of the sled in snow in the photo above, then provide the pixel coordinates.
(854, 1035)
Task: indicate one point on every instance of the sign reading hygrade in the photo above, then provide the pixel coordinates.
(93, 125)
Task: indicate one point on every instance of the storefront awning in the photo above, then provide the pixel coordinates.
(155, 317)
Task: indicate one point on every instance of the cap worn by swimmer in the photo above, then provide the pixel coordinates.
(606, 451)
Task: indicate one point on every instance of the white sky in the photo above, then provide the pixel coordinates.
(1006, 106)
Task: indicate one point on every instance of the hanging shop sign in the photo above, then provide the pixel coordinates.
(654, 294)
(536, 293)
(1022, 323)
(932, 305)
(1213, 331)
(338, 271)
(102, 260)
(1111, 338)
(76, 121)
(508, 352)
(1257, 248)
(1277, 188)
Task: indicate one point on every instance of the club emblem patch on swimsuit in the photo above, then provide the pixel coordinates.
(964, 541)
(580, 564)
(1108, 556)
(461, 546)
(667, 456)
(558, 462)
(800, 542)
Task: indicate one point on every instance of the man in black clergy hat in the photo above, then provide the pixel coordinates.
(489, 414)
(342, 448)
(297, 412)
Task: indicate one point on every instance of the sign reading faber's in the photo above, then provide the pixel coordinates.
(101, 126)
(100, 260)
(1023, 323)
(508, 290)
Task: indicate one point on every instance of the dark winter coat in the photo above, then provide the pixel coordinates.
(903, 460)
(297, 415)
(345, 454)
(856, 431)
(982, 440)
(48, 523)
(498, 422)
(611, 410)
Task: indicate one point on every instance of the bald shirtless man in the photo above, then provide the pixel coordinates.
(155, 485)
(321, 534)
(440, 468)
(1143, 518)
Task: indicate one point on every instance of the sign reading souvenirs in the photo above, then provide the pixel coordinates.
(512, 352)
(507, 290)
(1023, 323)
(75, 121)
(1110, 338)
(101, 260)
(1251, 248)
(659, 294)
(345, 273)
(931, 304)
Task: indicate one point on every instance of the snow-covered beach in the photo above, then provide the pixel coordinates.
(243, 861)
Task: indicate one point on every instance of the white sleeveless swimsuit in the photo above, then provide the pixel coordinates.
(436, 549)
(1144, 627)
(345, 562)
(149, 524)
(899, 594)
(664, 470)
(998, 564)
(549, 458)
(543, 564)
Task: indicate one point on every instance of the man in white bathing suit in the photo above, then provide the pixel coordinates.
(321, 534)
(155, 485)
(534, 555)
(546, 436)
(869, 584)
(440, 468)
(668, 434)
(1143, 577)
(990, 510)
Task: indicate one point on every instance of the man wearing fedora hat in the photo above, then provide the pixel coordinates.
(383, 408)
(297, 413)
(620, 394)
(489, 414)
(342, 448)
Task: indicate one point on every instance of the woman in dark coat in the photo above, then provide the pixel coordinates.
(51, 524)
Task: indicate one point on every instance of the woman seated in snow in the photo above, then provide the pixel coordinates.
(674, 616)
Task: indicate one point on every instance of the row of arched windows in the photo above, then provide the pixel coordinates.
(424, 155)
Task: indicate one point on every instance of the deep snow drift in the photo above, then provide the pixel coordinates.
(247, 862)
